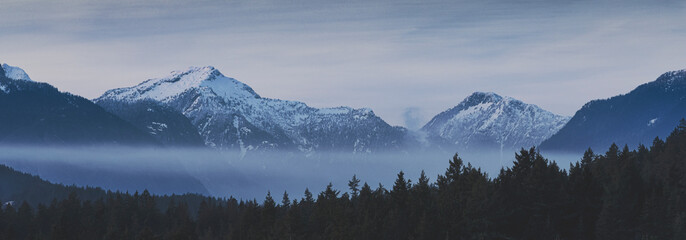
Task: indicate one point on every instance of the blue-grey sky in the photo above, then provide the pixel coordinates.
(404, 59)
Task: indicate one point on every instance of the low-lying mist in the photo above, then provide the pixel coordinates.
(226, 173)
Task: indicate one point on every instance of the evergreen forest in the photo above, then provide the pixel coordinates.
(619, 194)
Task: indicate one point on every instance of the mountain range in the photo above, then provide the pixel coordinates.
(228, 114)
(200, 106)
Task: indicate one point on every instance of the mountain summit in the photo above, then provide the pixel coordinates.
(205, 79)
(488, 120)
(229, 114)
(15, 73)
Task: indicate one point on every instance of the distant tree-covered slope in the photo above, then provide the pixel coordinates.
(17, 187)
(163, 123)
(651, 110)
(37, 113)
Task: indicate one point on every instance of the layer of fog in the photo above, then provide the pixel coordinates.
(224, 173)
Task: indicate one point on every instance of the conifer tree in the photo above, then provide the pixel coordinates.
(353, 184)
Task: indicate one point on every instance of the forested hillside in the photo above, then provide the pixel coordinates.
(39, 114)
(651, 109)
(621, 194)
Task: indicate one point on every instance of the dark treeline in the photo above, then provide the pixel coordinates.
(622, 194)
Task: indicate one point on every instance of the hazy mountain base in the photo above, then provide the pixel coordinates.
(117, 170)
(226, 173)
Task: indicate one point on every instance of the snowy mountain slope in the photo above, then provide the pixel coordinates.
(650, 110)
(15, 73)
(487, 120)
(229, 114)
(12, 73)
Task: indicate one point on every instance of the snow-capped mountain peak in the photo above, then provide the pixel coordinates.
(671, 81)
(205, 79)
(487, 119)
(484, 97)
(15, 73)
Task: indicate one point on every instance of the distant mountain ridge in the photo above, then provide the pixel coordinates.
(200, 106)
(37, 113)
(228, 114)
(485, 120)
(650, 110)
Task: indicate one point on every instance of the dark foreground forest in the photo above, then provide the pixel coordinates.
(621, 194)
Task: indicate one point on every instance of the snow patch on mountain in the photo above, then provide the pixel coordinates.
(156, 127)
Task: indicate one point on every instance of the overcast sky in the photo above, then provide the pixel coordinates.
(407, 60)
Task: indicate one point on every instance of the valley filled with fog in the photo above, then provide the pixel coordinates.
(227, 173)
